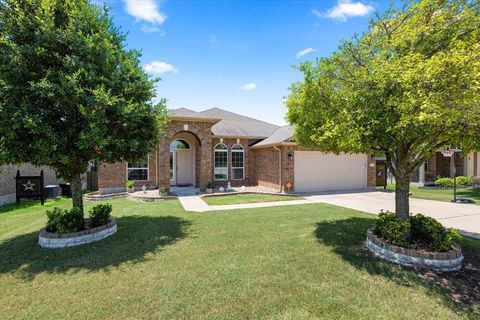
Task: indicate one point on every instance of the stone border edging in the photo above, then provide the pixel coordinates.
(95, 196)
(52, 240)
(151, 199)
(437, 261)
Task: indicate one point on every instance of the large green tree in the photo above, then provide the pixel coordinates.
(406, 87)
(70, 91)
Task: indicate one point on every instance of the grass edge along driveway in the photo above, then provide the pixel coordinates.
(240, 198)
(292, 262)
(439, 194)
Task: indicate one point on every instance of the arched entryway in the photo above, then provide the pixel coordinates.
(182, 160)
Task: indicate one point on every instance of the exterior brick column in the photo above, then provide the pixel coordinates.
(164, 163)
(205, 164)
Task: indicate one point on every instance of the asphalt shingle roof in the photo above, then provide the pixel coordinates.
(282, 134)
(231, 124)
(187, 113)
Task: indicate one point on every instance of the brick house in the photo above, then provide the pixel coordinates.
(439, 166)
(219, 146)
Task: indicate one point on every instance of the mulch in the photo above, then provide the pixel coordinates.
(464, 285)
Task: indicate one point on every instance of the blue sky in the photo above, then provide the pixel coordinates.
(235, 55)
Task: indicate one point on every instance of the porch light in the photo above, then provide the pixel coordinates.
(290, 156)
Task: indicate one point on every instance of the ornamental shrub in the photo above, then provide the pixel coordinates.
(130, 184)
(463, 181)
(417, 231)
(393, 229)
(444, 182)
(64, 220)
(431, 234)
(53, 219)
(100, 215)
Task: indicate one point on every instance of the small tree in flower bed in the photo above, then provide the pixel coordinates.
(100, 215)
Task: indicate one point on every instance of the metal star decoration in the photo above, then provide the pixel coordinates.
(29, 185)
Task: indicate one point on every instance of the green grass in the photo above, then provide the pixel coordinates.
(441, 194)
(246, 198)
(289, 262)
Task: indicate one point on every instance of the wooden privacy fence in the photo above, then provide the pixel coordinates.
(92, 180)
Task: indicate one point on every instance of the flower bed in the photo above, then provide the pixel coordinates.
(438, 261)
(54, 240)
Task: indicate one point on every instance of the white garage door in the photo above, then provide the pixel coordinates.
(318, 171)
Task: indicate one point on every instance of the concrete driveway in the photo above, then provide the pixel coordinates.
(464, 217)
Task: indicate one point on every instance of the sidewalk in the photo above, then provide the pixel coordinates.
(194, 203)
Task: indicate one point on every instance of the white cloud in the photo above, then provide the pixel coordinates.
(159, 67)
(153, 29)
(249, 86)
(304, 52)
(145, 10)
(345, 9)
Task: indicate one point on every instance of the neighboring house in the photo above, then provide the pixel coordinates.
(440, 166)
(7, 179)
(219, 146)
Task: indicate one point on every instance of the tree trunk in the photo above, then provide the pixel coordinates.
(76, 187)
(402, 189)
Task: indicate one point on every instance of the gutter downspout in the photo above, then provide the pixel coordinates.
(279, 167)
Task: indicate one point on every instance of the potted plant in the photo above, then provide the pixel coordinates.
(163, 191)
(130, 184)
(209, 187)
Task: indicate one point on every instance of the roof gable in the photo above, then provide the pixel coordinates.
(230, 124)
(282, 134)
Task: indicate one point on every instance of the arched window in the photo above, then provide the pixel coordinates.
(238, 162)
(179, 144)
(221, 162)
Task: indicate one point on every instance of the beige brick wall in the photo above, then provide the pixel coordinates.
(7, 179)
(8, 172)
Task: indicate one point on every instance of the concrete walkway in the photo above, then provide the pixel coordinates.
(194, 203)
(463, 217)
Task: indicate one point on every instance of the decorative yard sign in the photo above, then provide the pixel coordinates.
(29, 187)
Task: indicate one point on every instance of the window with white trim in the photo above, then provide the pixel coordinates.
(238, 162)
(220, 162)
(138, 170)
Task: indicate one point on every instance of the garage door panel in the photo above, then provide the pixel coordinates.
(318, 171)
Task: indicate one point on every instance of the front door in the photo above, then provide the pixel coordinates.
(184, 167)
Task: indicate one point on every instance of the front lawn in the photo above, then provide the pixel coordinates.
(289, 262)
(246, 198)
(440, 194)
